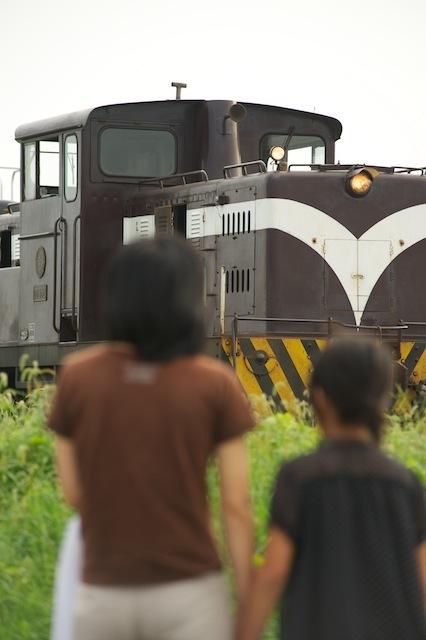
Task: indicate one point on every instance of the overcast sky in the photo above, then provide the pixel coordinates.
(362, 62)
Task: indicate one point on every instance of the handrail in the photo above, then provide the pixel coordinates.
(74, 321)
(326, 321)
(393, 170)
(60, 224)
(15, 171)
(174, 176)
(380, 329)
(416, 324)
(243, 165)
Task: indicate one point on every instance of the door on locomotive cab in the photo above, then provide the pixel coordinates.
(340, 275)
(201, 226)
(351, 270)
(236, 251)
(374, 256)
(41, 238)
(69, 260)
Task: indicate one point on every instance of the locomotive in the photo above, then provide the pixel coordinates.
(295, 247)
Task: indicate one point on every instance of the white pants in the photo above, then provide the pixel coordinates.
(192, 609)
(67, 578)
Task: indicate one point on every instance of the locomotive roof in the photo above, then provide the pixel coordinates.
(78, 119)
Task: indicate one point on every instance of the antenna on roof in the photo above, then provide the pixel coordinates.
(178, 86)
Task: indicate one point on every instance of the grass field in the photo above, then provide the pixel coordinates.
(32, 515)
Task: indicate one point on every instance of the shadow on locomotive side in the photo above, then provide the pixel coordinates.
(295, 247)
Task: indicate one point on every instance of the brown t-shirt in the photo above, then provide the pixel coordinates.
(143, 434)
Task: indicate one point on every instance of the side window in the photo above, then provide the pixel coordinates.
(71, 168)
(48, 167)
(41, 169)
(29, 171)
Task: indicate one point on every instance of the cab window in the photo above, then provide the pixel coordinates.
(48, 167)
(301, 149)
(137, 153)
(29, 171)
(71, 168)
(41, 169)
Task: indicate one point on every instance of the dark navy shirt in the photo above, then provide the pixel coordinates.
(356, 517)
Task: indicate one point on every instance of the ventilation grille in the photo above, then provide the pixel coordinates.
(194, 227)
(235, 223)
(16, 248)
(164, 218)
(237, 281)
(138, 227)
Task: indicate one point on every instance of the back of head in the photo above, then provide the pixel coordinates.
(356, 377)
(153, 298)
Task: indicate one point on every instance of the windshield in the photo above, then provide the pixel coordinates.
(143, 153)
(301, 149)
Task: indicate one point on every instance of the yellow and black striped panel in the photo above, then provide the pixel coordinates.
(279, 368)
(413, 357)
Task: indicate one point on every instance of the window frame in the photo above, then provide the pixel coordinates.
(66, 136)
(112, 125)
(280, 133)
(36, 142)
(24, 181)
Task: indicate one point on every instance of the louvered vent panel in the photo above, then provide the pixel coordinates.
(194, 227)
(137, 228)
(237, 281)
(236, 223)
(164, 220)
(16, 248)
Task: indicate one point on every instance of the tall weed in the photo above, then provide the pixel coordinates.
(33, 515)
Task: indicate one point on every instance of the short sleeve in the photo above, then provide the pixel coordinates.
(420, 512)
(60, 415)
(235, 416)
(285, 503)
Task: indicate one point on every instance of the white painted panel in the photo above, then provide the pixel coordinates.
(341, 256)
(372, 256)
(138, 228)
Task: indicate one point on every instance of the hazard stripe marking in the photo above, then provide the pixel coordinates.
(288, 367)
(414, 356)
(312, 349)
(224, 356)
(300, 358)
(263, 379)
(247, 380)
(281, 385)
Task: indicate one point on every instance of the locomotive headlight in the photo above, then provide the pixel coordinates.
(277, 153)
(359, 182)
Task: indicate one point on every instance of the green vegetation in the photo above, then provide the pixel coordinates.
(32, 515)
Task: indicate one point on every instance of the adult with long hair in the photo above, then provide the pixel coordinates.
(137, 420)
(347, 550)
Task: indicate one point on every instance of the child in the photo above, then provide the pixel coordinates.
(347, 547)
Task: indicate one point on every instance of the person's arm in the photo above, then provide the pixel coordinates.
(234, 483)
(267, 585)
(68, 471)
(421, 563)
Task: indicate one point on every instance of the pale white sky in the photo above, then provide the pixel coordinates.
(362, 62)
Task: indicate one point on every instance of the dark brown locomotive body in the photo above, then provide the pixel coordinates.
(290, 253)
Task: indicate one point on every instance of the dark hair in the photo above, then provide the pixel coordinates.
(356, 376)
(153, 298)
